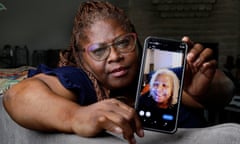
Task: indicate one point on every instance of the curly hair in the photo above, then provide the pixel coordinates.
(175, 79)
(88, 13)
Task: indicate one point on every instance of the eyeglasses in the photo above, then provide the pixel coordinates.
(125, 43)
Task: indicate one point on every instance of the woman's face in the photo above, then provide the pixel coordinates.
(118, 70)
(163, 87)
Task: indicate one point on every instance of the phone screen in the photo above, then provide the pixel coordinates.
(160, 84)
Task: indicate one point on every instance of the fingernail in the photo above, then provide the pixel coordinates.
(141, 133)
(184, 38)
(198, 62)
(118, 130)
(190, 56)
(133, 141)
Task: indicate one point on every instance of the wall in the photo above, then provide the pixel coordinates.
(40, 25)
(47, 24)
(222, 26)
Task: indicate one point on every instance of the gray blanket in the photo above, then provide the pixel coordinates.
(12, 133)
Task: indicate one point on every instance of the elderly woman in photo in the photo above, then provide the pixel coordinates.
(164, 87)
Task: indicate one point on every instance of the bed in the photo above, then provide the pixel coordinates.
(11, 76)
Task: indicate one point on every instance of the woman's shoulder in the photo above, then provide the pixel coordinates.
(42, 68)
(72, 78)
(69, 76)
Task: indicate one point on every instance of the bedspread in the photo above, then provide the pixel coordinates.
(11, 76)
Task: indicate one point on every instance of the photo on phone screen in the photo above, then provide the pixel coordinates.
(160, 84)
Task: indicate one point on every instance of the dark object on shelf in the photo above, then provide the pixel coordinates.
(14, 57)
(21, 56)
(49, 57)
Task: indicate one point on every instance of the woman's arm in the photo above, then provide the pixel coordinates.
(42, 103)
(219, 93)
(204, 84)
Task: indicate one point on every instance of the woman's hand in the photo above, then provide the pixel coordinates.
(200, 70)
(111, 115)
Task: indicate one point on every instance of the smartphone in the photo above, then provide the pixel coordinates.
(160, 83)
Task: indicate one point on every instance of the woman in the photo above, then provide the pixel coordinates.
(164, 87)
(97, 71)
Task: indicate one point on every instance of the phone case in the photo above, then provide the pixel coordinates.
(160, 83)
